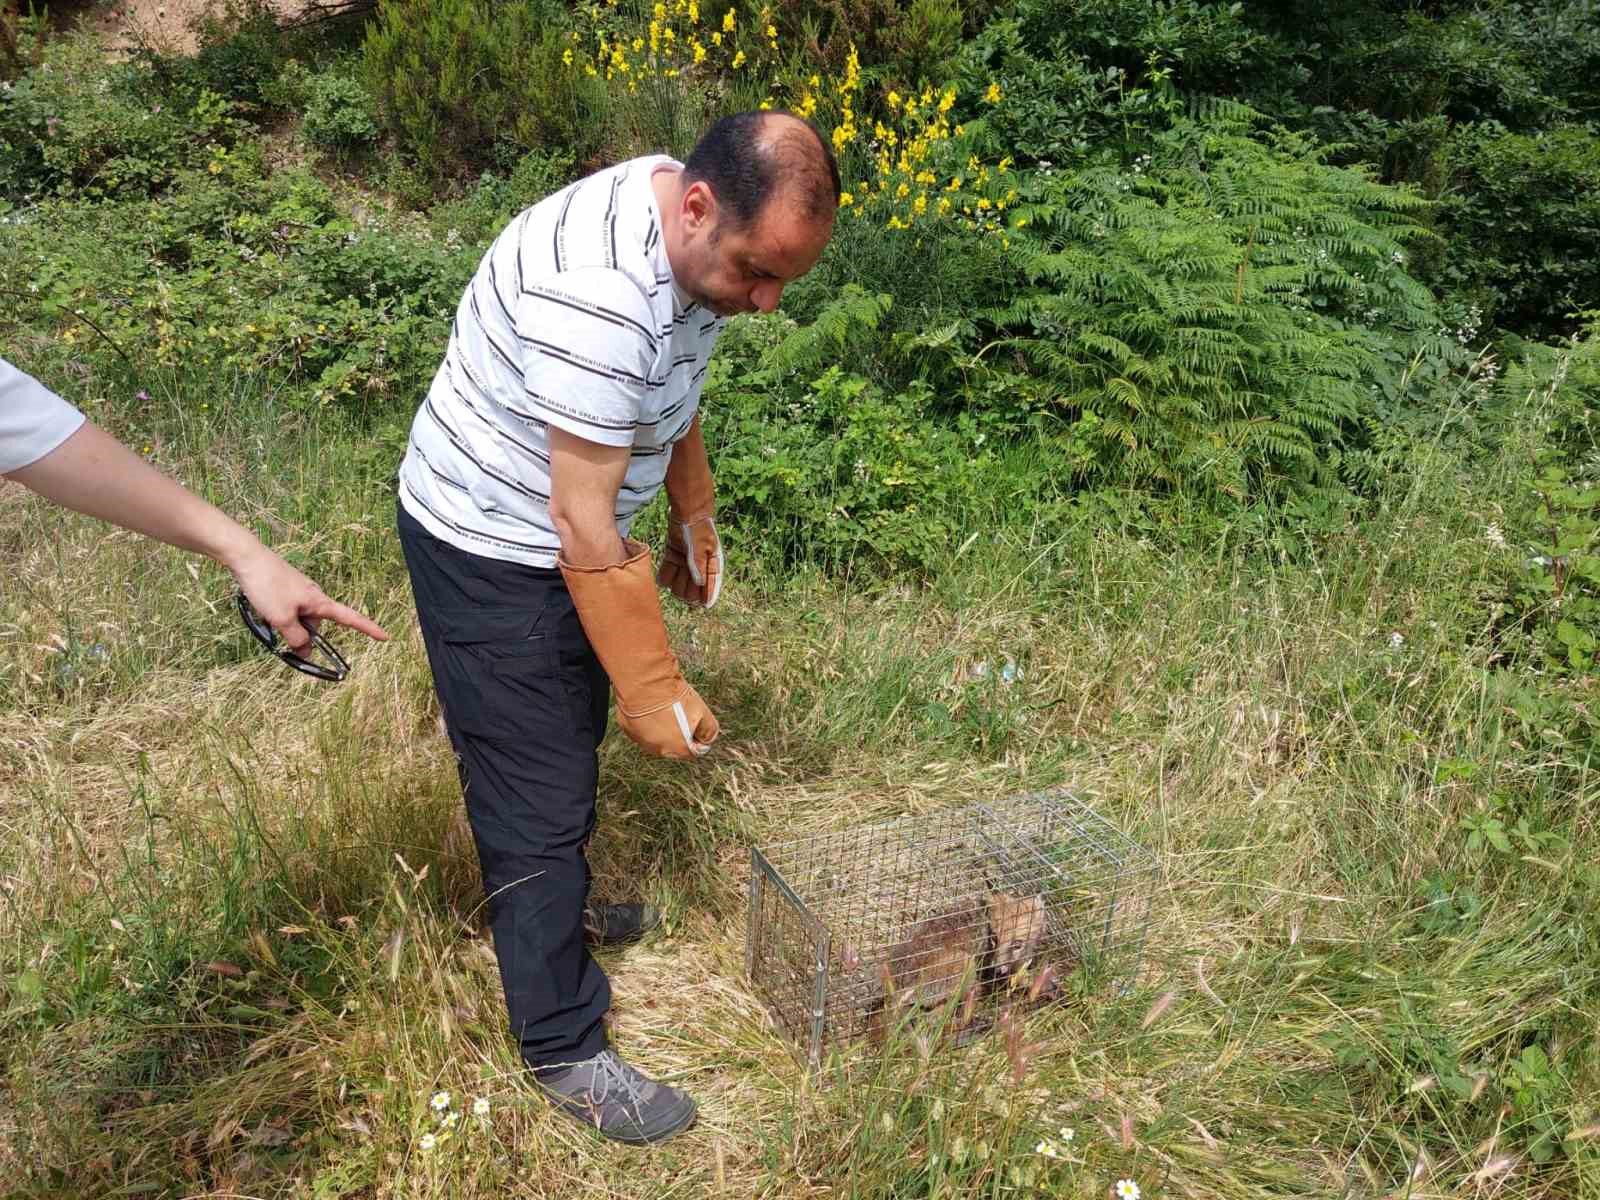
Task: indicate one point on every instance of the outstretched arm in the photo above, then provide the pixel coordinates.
(94, 474)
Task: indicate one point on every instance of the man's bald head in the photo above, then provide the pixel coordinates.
(750, 159)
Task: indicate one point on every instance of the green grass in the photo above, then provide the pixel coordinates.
(239, 910)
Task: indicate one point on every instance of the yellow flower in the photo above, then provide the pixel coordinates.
(638, 45)
(894, 223)
(216, 168)
(947, 100)
(1003, 164)
(841, 138)
(815, 81)
(728, 21)
(694, 13)
(660, 11)
(699, 53)
(992, 96)
(808, 105)
(901, 192)
(588, 69)
(893, 100)
(765, 104)
(738, 60)
(566, 56)
(1022, 222)
(716, 37)
(669, 35)
(919, 205)
(846, 199)
(771, 32)
(944, 205)
(983, 204)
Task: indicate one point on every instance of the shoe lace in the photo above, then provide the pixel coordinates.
(611, 1075)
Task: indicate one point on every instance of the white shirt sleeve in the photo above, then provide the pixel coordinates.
(33, 419)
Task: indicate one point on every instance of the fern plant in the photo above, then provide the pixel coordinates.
(1217, 317)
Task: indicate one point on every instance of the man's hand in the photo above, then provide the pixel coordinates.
(691, 567)
(290, 602)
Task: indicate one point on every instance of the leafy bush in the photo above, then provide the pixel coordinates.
(479, 216)
(1219, 318)
(77, 121)
(238, 272)
(1549, 409)
(338, 112)
(454, 79)
(1524, 217)
(1211, 44)
(241, 51)
(829, 467)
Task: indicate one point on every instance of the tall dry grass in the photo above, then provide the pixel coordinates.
(240, 936)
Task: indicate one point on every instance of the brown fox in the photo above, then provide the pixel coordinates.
(957, 955)
(1017, 927)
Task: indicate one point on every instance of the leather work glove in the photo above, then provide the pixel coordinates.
(621, 612)
(691, 566)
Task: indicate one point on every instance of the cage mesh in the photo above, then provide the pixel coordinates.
(942, 911)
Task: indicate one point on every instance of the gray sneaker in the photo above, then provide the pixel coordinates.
(617, 1100)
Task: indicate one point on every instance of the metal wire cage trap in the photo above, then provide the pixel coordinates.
(949, 910)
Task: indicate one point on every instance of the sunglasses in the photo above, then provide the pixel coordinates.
(268, 637)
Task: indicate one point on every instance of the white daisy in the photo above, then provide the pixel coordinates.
(428, 1142)
(1127, 1189)
(480, 1107)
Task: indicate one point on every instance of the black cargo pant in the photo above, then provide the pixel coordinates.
(525, 701)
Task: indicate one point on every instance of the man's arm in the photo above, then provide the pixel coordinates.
(585, 478)
(94, 474)
(614, 591)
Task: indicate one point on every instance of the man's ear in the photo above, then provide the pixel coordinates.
(699, 207)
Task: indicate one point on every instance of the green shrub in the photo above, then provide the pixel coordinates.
(832, 467)
(78, 121)
(1218, 318)
(338, 112)
(479, 216)
(456, 78)
(1549, 426)
(241, 51)
(1524, 219)
(238, 272)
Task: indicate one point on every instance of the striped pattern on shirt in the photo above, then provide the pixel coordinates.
(573, 320)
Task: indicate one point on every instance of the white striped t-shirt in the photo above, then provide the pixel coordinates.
(572, 320)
